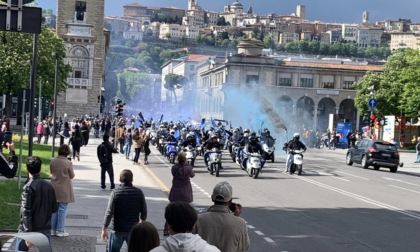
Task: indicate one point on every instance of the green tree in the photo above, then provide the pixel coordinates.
(221, 21)
(363, 94)
(313, 47)
(173, 82)
(131, 83)
(16, 55)
(149, 32)
(324, 49)
(269, 42)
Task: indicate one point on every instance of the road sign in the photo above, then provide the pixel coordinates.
(372, 103)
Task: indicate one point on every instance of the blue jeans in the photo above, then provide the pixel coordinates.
(116, 240)
(58, 219)
(21, 245)
(127, 150)
(121, 142)
(418, 156)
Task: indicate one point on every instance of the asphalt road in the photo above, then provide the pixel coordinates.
(331, 207)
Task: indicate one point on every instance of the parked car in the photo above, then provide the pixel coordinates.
(376, 153)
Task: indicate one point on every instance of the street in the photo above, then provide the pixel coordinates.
(331, 207)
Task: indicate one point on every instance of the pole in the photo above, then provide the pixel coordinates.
(32, 94)
(55, 105)
(21, 139)
(40, 101)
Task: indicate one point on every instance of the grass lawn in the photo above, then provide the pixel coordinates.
(10, 204)
(10, 193)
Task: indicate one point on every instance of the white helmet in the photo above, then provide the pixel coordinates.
(296, 135)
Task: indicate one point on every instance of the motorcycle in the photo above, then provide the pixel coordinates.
(215, 161)
(171, 152)
(153, 137)
(161, 145)
(254, 164)
(190, 154)
(268, 148)
(297, 162)
(233, 149)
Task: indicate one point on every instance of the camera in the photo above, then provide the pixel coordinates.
(232, 207)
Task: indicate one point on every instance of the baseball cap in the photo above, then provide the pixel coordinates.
(222, 192)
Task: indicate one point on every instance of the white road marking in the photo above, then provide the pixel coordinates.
(362, 198)
(341, 179)
(331, 175)
(352, 175)
(251, 227)
(268, 240)
(401, 181)
(404, 189)
(259, 233)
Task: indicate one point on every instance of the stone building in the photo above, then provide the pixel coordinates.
(247, 87)
(81, 25)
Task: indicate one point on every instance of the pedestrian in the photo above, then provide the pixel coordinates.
(137, 145)
(418, 151)
(8, 166)
(181, 218)
(120, 137)
(76, 141)
(4, 127)
(85, 132)
(126, 207)
(39, 132)
(38, 204)
(61, 178)
(221, 225)
(146, 147)
(66, 130)
(127, 143)
(104, 152)
(143, 237)
(46, 132)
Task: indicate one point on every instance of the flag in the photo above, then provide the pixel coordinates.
(161, 117)
(141, 116)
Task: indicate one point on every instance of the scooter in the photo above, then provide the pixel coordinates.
(153, 137)
(190, 154)
(254, 164)
(215, 161)
(233, 149)
(268, 152)
(171, 151)
(297, 162)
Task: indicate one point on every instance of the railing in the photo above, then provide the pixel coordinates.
(77, 82)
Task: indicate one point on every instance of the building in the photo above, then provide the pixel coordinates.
(369, 36)
(133, 33)
(402, 40)
(145, 13)
(287, 37)
(168, 31)
(117, 26)
(81, 25)
(300, 11)
(349, 33)
(293, 92)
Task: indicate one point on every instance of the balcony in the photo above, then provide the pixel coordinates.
(79, 83)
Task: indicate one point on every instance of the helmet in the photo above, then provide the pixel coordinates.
(252, 139)
(172, 131)
(296, 135)
(267, 132)
(213, 136)
(253, 134)
(246, 134)
(246, 130)
(190, 134)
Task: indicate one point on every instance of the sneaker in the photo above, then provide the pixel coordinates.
(53, 233)
(62, 234)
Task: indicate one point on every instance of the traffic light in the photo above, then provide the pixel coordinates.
(372, 120)
(52, 103)
(119, 108)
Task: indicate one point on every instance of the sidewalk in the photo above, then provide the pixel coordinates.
(85, 216)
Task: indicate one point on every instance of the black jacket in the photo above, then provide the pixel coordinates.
(38, 203)
(192, 142)
(296, 145)
(126, 206)
(210, 145)
(254, 147)
(104, 152)
(8, 166)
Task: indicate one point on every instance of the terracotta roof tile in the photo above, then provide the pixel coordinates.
(333, 66)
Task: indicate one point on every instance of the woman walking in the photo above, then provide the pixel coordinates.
(127, 143)
(39, 131)
(85, 129)
(137, 145)
(76, 141)
(61, 175)
(181, 189)
(145, 149)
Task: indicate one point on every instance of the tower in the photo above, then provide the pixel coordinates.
(365, 18)
(300, 11)
(80, 23)
(191, 4)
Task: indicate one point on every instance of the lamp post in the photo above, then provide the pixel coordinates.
(54, 132)
(100, 101)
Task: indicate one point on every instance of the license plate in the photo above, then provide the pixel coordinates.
(386, 155)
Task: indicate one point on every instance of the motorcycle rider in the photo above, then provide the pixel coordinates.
(294, 144)
(253, 146)
(242, 142)
(171, 140)
(211, 144)
(190, 140)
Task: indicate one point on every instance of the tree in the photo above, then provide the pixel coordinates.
(16, 55)
(131, 83)
(313, 47)
(269, 42)
(324, 49)
(221, 21)
(149, 32)
(173, 82)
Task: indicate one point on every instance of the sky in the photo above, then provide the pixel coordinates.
(344, 11)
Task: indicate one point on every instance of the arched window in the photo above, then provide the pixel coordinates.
(79, 61)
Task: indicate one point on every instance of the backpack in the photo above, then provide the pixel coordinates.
(418, 146)
(102, 153)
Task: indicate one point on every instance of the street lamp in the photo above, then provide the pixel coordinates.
(57, 56)
(100, 101)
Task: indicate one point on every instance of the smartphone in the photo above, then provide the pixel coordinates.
(8, 137)
(232, 207)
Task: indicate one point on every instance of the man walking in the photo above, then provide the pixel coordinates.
(120, 135)
(126, 204)
(38, 204)
(104, 152)
(221, 226)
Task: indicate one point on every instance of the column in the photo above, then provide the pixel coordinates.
(315, 125)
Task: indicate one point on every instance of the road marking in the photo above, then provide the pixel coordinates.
(362, 198)
(401, 181)
(268, 240)
(155, 178)
(251, 227)
(331, 175)
(352, 175)
(404, 189)
(259, 233)
(341, 179)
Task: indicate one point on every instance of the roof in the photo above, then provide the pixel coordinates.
(354, 67)
(236, 3)
(134, 5)
(197, 57)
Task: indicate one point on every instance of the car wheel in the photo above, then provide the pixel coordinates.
(348, 159)
(364, 162)
(376, 167)
(393, 169)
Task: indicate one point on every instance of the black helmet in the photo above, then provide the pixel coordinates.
(253, 134)
(267, 132)
(252, 139)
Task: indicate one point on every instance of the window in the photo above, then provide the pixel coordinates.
(80, 10)
(348, 84)
(252, 79)
(287, 82)
(327, 84)
(78, 74)
(306, 82)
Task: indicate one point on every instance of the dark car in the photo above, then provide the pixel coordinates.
(376, 153)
